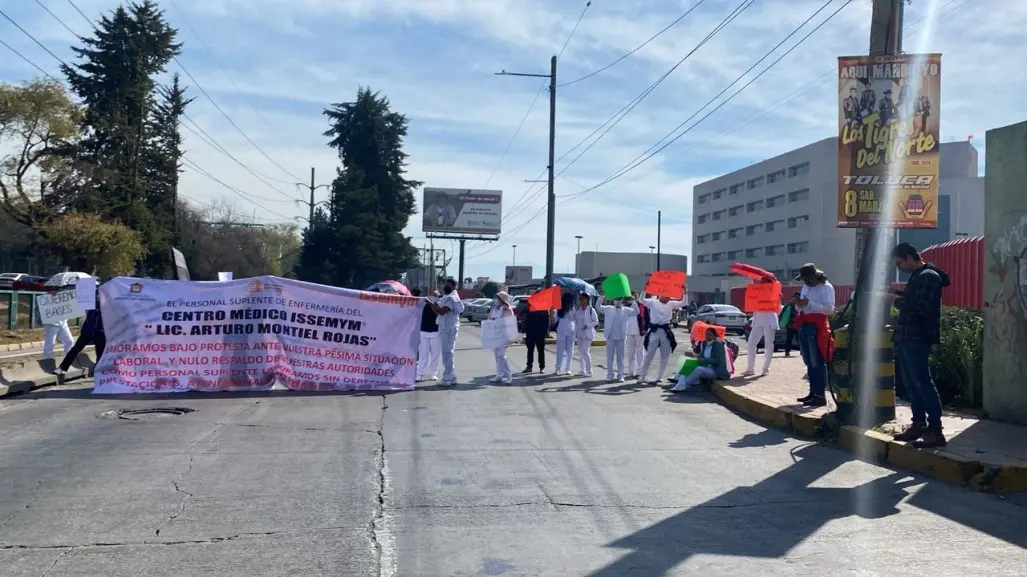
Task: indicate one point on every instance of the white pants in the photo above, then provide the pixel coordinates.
(634, 352)
(767, 333)
(615, 354)
(502, 364)
(447, 342)
(428, 356)
(564, 351)
(584, 355)
(697, 374)
(53, 332)
(657, 342)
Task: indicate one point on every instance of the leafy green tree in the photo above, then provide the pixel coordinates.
(90, 243)
(361, 241)
(115, 82)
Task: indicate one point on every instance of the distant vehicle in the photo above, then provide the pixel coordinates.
(780, 337)
(29, 283)
(520, 309)
(7, 279)
(477, 310)
(726, 316)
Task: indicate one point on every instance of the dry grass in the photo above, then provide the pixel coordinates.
(22, 332)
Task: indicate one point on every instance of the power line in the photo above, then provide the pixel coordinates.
(29, 62)
(200, 170)
(66, 27)
(574, 28)
(33, 38)
(636, 49)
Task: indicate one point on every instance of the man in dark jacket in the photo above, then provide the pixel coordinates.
(536, 329)
(91, 333)
(916, 331)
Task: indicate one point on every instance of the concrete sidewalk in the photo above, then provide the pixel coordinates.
(29, 371)
(981, 454)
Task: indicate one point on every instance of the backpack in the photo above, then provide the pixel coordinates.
(732, 354)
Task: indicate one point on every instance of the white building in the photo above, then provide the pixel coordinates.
(636, 265)
(782, 213)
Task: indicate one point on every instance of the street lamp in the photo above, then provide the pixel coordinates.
(578, 254)
(652, 266)
(515, 255)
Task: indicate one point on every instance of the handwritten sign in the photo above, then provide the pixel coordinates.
(498, 333)
(58, 306)
(86, 289)
(763, 297)
(667, 283)
(699, 329)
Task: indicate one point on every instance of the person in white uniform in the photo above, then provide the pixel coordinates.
(764, 326)
(585, 322)
(616, 320)
(501, 309)
(660, 337)
(428, 347)
(634, 350)
(448, 309)
(52, 332)
(564, 320)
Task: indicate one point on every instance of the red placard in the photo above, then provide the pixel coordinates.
(699, 331)
(763, 297)
(666, 283)
(545, 300)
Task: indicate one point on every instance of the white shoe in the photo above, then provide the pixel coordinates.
(610, 379)
(680, 388)
(579, 374)
(749, 373)
(507, 381)
(765, 372)
(588, 374)
(496, 379)
(447, 383)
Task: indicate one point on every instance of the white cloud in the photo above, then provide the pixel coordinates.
(435, 60)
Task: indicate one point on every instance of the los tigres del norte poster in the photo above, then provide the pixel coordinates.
(888, 147)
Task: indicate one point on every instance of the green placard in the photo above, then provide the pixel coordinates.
(688, 365)
(616, 286)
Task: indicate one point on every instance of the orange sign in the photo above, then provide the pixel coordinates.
(545, 300)
(699, 331)
(666, 283)
(763, 297)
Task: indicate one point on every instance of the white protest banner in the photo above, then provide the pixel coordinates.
(86, 290)
(224, 276)
(249, 334)
(499, 332)
(58, 306)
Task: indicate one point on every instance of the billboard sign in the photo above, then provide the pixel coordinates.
(518, 275)
(888, 120)
(462, 211)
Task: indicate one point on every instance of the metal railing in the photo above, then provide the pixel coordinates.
(20, 313)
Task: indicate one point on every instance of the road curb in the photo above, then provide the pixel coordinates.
(877, 447)
(20, 346)
(28, 385)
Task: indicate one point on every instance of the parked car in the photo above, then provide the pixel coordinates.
(7, 279)
(780, 337)
(29, 283)
(726, 316)
(520, 308)
(477, 310)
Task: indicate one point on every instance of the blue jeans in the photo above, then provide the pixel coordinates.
(915, 368)
(816, 364)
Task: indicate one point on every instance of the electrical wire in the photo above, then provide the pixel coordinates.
(636, 49)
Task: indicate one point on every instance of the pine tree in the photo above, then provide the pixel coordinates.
(361, 241)
(114, 81)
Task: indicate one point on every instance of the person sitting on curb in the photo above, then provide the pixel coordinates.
(713, 363)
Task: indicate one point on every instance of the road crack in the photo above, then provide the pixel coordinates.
(208, 541)
(377, 532)
(178, 489)
(56, 561)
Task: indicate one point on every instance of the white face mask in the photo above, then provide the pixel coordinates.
(618, 304)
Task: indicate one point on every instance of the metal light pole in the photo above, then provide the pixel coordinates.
(651, 249)
(514, 255)
(659, 230)
(551, 207)
(577, 255)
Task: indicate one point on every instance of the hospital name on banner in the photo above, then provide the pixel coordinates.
(888, 146)
(245, 335)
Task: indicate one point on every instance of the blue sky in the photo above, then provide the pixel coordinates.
(273, 65)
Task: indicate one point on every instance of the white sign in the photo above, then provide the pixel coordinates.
(224, 276)
(462, 211)
(59, 306)
(498, 333)
(86, 289)
(251, 334)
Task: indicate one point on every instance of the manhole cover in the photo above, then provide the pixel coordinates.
(146, 414)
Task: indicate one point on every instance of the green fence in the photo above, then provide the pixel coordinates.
(18, 310)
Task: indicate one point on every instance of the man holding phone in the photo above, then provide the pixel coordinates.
(815, 305)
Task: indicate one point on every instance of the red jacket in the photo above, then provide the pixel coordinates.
(825, 340)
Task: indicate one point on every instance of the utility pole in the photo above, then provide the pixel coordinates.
(659, 230)
(311, 187)
(460, 266)
(551, 217)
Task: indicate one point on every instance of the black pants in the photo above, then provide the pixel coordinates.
(790, 336)
(99, 341)
(536, 342)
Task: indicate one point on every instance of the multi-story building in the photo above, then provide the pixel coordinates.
(637, 266)
(781, 213)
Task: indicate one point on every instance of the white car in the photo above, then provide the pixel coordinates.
(726, 316)
(7, 279)
(477, 310)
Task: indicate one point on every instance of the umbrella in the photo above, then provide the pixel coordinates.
(753, 272)
(576, 285)
(389, 286)
(63, 279)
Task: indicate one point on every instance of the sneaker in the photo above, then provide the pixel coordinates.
(804, 399)
(528, 371)
(588, 374)
(610, 379)
(541, 369)
(814, 402)
(620, 379)
(912, 433)
(749, 374)
(507, 380)
(682, 388)
(579, 374)
(765, 372)
(447, 383)
(496, 379)
(932, 439)
(805, 377)
(788, 354)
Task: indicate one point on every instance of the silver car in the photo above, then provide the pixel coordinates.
(477, 310)
(726, 316)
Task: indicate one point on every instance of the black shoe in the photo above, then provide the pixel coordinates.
(933, 438)
(815, 402)
(804, 399)
(913, 433)
(541, 369)
(526, 371)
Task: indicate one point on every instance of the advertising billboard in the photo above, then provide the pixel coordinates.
(462, 211)
(517, 275)
(888, 148)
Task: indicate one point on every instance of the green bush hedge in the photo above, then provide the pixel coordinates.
(957, 363)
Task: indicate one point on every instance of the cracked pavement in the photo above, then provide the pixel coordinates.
(534, 479)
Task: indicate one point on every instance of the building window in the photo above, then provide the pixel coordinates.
(775, 176)
(735, 188)
(752, 252)
(775, 201)
(798, 247)
(774, 249)
(798, 170)
(735, 210)
(755, 182)
(754, 206)
(778, 273)
(734, 254)
(798, 195)
(718, 214)
(753, 230)
(718, 256)
(704, 198)
(703, 258)
(719, 193)
(798, 221)
(702, 238)
(775, 225)
(718, 236)
(735, 232)
(703, 218)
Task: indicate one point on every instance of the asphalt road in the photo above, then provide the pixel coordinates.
(545, 477)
